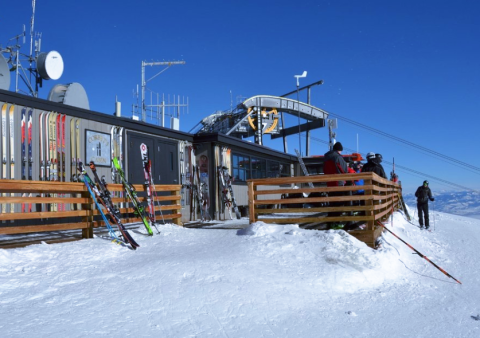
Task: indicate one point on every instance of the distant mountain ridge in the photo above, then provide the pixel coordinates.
(463, 203)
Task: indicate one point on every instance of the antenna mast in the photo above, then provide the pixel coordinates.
(144, 82)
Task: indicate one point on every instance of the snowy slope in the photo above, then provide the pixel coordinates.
(263, 281)
(462, 203)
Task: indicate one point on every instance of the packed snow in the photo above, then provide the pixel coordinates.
(264, 280)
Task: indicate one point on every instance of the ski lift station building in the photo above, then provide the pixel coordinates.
(86, 135)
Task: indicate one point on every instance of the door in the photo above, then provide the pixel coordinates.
(163, 154)
(167, 155)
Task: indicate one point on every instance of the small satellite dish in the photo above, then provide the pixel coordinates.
(50, 65)
(72, 94)
(4, 74)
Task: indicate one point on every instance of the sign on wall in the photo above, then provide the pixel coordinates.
(97, 145)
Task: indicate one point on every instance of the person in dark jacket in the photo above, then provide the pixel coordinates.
(423, 194)
(334, 163)
(373, 166)
(378, 160)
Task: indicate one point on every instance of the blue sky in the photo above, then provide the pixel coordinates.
(408, 68)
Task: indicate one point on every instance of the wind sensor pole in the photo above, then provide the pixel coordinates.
(304, 74)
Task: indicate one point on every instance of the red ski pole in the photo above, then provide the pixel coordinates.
(420, 254)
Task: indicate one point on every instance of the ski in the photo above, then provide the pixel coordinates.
(24, 153)
(132, 195)
(11, 113)
(30, 152)
(42, 156)
(73, 157)
(105, 200)
(47, 146)
(4, 151)
(58, 140)
(62, 152)
(77, 148)
(52, 147)
(149, 186)
(41, 161)
(201, 197)
(64, 172)
(182, 173)
(227, 189)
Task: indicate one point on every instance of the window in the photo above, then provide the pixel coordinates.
(241, 167)
(259, 167)
(245, 167)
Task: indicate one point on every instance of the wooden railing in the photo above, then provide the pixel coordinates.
(59, 206)
(379, 200)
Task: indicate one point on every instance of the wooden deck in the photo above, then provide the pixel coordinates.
(268, 198)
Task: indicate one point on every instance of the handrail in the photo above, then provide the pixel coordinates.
(381, 197)
(34, 206)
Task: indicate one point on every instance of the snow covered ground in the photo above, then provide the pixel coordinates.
(263, 281)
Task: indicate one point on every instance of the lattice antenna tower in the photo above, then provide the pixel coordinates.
(160, 107)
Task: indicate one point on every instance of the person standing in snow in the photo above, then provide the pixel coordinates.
(423, 194)
(373, 166)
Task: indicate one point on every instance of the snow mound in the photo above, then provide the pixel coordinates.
(343, 262)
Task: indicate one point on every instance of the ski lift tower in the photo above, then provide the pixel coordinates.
(168, 64)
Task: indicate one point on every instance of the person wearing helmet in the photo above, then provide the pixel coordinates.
(423, 194)
(373, 166)
(378, 160)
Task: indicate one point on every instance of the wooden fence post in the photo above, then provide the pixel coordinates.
(177, 221)
(370, 205)
(251, 202)
(88, 231)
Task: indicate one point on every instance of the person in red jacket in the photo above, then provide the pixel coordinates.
(335, 164)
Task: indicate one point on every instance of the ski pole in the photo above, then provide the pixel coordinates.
(433, 212)
(420, 254)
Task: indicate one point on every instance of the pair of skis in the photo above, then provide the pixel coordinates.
(130, 191)
(149, 185)
(8, 111)
(100, 193)
(27, 162)
(226, 189)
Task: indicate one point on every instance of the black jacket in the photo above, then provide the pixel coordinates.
(372, 166)
(423, 194)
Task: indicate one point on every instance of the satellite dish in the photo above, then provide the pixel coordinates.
(4, 74)
(50, 65)
(71, 94)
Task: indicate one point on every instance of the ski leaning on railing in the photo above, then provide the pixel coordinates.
(102, 194)
(226, 189)
(132, 195)
(150, 186)
(94, 193)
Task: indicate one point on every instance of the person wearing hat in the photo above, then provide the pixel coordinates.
(334, 163)
(423, 194)
(373, 166)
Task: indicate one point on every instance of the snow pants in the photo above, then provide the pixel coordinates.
(423, 212)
